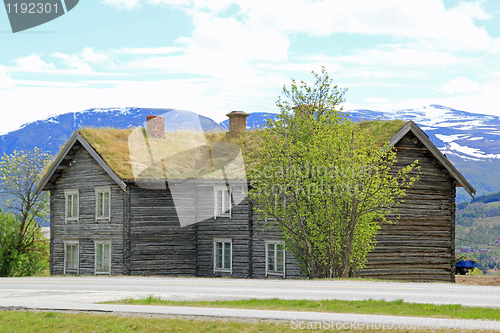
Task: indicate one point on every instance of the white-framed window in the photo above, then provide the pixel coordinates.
(71, 257)
(275, 257)
(223, 255)
(103, 203)
(71, 205)
(222, 201)
(102, 257)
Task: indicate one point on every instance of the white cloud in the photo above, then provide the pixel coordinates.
(5, 79)
(461, 85)
(241, 56)
(421, 20)
(70, 64)
(399, 55)
(149, 50)
(211, 97)
(33, 63)
(228, 39)
(90, 55)
(424, 20)
(473, 9)
(122, 4)
(219, 47)
(73, 62)
(378, 100)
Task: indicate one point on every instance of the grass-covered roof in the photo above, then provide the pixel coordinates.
(113, 144)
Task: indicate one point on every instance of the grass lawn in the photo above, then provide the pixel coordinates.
(394, 308)
(54, 322)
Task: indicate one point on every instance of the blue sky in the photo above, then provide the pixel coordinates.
(214, 56)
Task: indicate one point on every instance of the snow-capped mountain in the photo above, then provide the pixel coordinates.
(466, 135)
(470, 140)
(51, 133)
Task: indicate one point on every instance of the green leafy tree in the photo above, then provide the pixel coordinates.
(23, 249)
(323, 181)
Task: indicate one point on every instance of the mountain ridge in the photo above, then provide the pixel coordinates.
(469, 140)
(52, 132)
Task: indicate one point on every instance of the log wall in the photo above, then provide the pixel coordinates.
(84, 175)
(158, 244)
(238, 228)
(420, 245)
(264, 231)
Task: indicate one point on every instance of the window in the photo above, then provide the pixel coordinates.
(275, 257)
(71, 210)
(103, 199)
(223, 254)
(222, 201)
(102, 257)
(71, 264)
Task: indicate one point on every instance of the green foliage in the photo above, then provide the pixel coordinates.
(23, 249)
(464, 257)
(324, 181)
(20, 263)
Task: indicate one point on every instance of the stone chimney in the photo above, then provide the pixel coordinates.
(237, 122)
(156, 125)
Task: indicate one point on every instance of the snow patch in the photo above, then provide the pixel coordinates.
(450, 138)
(51, 120)
(475, 152)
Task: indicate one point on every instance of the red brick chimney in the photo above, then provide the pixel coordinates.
(237, 122)
(156, 125)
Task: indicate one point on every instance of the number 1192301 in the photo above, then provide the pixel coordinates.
(31, 8)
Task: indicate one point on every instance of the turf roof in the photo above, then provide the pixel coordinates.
(113, 144)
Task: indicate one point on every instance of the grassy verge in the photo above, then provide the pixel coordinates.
(54, 322)
(394, 308)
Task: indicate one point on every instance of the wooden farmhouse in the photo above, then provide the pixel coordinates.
(104, 222)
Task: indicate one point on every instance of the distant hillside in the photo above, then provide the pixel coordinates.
(51, 133)
(487, 198)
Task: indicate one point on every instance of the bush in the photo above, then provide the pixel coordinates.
(15, 262)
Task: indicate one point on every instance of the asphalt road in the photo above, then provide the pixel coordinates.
(84, 294)
(14, 291)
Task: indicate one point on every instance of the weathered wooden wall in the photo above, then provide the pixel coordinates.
(261, 233)
(158, 244)
(420, 245)
(238, 227)
(85, 175)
